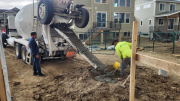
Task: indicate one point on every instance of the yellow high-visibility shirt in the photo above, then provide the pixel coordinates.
(123, 49)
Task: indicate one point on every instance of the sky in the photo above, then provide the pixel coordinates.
(9, 4)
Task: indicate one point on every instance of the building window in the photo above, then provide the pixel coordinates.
(150, 22)
(83, 36)
(115, 35)
(161, 22)
(116, 3)
(101, 19)
(122, 3)
(127, 17)
(172, 7)
(128, 4)
(162, 7)
(122, 17)
(101, 1)
(141, 23)
(127, 34)
(97, 1)
(1, 16)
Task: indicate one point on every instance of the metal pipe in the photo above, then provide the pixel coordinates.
(174, 35)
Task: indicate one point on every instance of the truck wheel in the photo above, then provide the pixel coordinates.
(4, 41)
(23, 54)
(45, 11)
(81, 23)
(18, 50)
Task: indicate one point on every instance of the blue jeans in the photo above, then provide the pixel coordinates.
(36, 65)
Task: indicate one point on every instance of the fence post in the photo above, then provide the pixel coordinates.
(139, 39)
(174, 35)
(153, 41)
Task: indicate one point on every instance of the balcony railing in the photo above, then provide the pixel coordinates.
(173, 28)
(107, 24)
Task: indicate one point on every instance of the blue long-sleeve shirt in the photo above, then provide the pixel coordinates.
(33, 47)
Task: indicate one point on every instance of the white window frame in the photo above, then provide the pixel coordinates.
(151, 22)
(125, 3)
(124, 17)
(101, 12)
(170, 6)
(142, 23)
(158, 22)
(160, 6)
(101, 2)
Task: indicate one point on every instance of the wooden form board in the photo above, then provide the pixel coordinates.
(4, 82)
(133, 60)
(2, 86)
(159, 63)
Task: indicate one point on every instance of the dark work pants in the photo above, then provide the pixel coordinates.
(124, 64)
(36, 65)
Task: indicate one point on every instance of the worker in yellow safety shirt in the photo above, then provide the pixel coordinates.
(123, 50)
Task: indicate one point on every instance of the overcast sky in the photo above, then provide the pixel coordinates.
(8, 4)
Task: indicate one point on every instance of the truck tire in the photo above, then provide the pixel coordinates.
(82, 23)
(23, 54)
(18, 50)
(4, 41)
(45, 11)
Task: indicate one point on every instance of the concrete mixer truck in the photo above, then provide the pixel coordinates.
(52, 21)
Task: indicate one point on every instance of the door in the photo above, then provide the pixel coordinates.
(101, 19)
(171, 24)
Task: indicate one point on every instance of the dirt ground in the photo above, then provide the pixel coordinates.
(67, 80)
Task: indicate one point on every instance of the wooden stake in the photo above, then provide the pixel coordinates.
(133, 60)
(2, 86)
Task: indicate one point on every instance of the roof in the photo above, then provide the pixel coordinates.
(169, 0)
(168, 13)
(13, 10)
(2, 10)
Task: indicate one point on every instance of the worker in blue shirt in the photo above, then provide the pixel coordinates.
(35, 55)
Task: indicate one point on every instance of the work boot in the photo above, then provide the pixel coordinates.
(41, 74)
(34, 74)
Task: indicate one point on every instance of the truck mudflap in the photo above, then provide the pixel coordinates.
(76, 43)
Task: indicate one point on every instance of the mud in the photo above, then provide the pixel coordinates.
(82, 49)
(107, 78)
(81, 86)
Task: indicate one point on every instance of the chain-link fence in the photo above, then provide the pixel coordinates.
(162, 42)
(101, 42)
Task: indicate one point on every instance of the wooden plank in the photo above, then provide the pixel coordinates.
(174, 16)
(2, 86)
(4, 74)
(133, 60)
(176, 55)
(159, 63)
(120, 36)
(167, 20)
